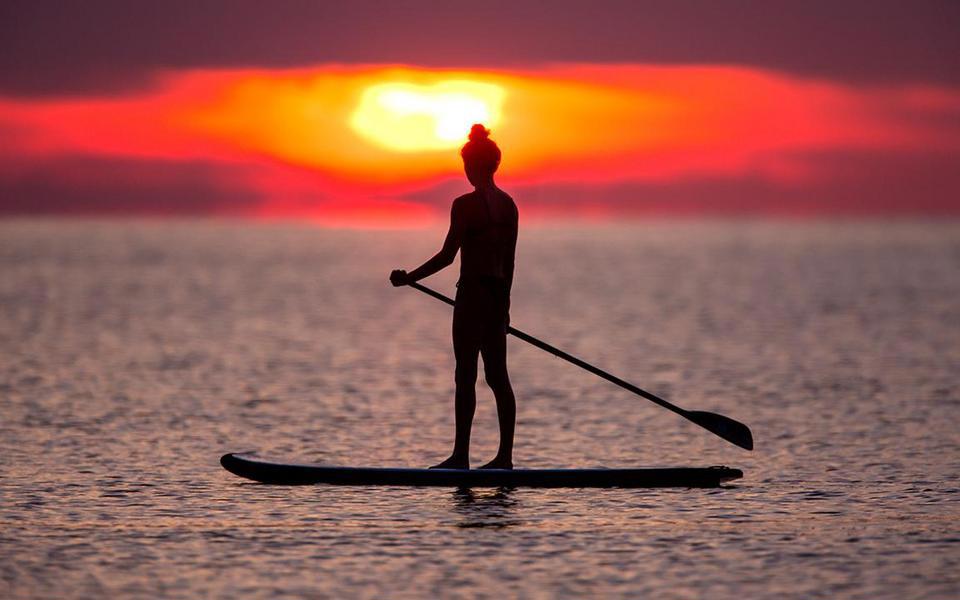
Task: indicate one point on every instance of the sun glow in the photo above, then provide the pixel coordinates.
(405, 117)
(376, 142)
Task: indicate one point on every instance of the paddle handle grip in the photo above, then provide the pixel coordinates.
(567, 357)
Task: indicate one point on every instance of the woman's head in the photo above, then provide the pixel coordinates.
(481, 156)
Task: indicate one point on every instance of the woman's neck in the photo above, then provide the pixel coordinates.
(485, 185)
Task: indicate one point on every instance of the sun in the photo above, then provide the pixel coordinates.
(406, 117)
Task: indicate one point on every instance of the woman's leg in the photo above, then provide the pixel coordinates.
(466, 350)
(494, 350)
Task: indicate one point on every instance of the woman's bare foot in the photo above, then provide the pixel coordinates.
(454, 462)
(499, 463)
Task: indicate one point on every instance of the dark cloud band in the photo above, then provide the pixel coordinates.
(95, 46)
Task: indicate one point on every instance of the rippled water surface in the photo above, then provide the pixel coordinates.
(133, 354)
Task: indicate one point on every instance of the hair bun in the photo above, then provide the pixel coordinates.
(478, 133)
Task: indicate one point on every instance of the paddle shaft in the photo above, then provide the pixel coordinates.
(569, 358)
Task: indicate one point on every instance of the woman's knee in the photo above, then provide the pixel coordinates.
(466, 374)
(496, 377)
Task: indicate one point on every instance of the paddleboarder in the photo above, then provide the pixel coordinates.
(483, 228)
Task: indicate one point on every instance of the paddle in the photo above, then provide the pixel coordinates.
(733, 431)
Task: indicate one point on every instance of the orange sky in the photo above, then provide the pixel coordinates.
(363, 142)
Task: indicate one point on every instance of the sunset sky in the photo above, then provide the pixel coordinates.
(353, 114)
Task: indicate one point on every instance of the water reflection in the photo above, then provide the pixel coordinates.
(122, 382)
(495, 509)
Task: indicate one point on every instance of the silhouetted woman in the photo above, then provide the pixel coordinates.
(483, 226)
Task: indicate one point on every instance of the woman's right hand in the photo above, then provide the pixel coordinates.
(399, 278)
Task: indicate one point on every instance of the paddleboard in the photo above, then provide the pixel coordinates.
(250, 466)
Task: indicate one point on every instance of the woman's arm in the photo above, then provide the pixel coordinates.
(510, 258)
(444, 258)
(508, 267)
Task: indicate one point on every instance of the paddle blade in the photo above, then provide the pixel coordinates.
(734, 432)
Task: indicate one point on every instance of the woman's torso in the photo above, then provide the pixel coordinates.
(488, 244)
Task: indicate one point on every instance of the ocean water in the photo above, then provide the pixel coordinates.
(133, 354)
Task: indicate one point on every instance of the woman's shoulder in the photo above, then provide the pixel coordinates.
(508, 200)
(463, 198)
